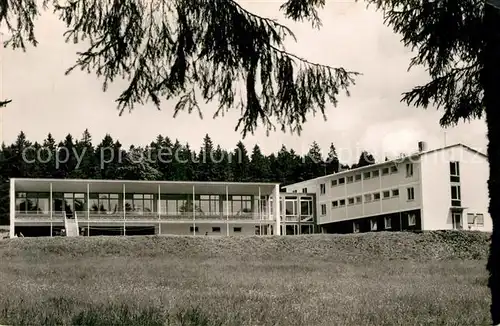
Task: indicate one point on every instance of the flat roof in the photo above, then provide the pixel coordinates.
(390, 162)
(142, 186)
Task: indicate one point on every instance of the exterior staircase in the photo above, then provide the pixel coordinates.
(71, 225)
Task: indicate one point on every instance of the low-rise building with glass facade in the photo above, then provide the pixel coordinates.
(48, 207)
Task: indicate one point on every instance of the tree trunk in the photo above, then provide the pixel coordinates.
(490, 80)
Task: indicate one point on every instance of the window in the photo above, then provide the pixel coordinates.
(367, 175)
(387, 222)
(375, 173)
(216, 229)
(323, 209)
(21, 202)
(350, 201)
(412, 219)
(455, 192)
(334, 182)
(242, 204)
(38, 203)
(140, 202)
(455, 196)
(291, 208)
(394, 169)
(237, 229)
(341, 181)
(357, 177)
(373, 224)
(306, 206)
(342, 202)
(355, 227)
(471, 218)
(387, 194)
(411, 193)
(335, 204)
(358, 200)
(322, 189)
(304, 190)
(295, 191)
(108, 203)
(350, 179)
(376, 196)
(385, 171)
(368, 198)
(208, 204)
(454, 171)
(409, 170)
(479, 219)
(191, 229)
(395, 192)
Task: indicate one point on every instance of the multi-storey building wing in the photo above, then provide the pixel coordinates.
(445, 188)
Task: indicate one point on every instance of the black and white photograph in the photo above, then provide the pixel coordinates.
(249, 162)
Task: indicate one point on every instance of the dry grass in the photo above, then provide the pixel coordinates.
(372, 279)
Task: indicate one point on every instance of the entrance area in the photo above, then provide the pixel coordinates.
(457, 221)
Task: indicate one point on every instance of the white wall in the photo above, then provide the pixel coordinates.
(436, 188)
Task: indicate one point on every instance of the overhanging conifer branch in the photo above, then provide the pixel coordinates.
(175, 48)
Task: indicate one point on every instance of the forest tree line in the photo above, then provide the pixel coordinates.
(162, 159)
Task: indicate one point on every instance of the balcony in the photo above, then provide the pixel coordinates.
(39, 217)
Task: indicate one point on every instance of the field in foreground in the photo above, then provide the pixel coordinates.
(435, 278)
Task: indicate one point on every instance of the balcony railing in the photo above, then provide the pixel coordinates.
(58, 216)
(39, 216)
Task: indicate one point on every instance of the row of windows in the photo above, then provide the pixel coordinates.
(410, 193)
(456, 199)
(111, 203)
(365, 176)
(215, 229)
(412, 221)
(291, 206)
(304, 191)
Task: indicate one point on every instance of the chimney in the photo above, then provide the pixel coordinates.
(422, 146)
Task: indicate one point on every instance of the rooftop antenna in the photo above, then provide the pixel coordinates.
(445, 139)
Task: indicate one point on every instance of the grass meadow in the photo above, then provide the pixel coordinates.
(432, 278)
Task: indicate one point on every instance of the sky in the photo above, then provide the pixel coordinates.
(373, 118)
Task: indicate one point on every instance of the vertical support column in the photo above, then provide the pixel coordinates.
(124, 211)
(88, 209)
(363, 193)
(260, 213)
(346, 201)
(159, 209)
(399, 204)
(277, 213)
(380, 187)
(268, 212)
(194, 212)
(227, 211)
(298, 213)
(51, 206)
(12, 211)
